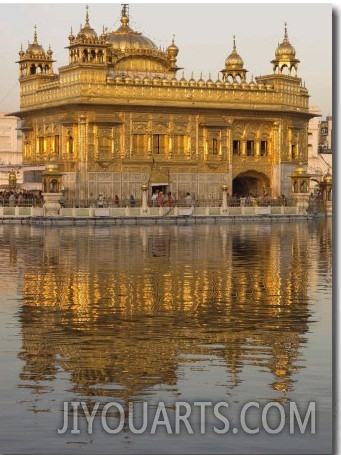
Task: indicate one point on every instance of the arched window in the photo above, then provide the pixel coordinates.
(294, 151)
(70, 144)
(215, 146)
(250, 148)
(85, 56)
(159, 144)
(54, 186)
(104, 146)
(304, 187)
(263, 148)
(236, 147)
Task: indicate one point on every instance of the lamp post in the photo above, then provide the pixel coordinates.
(224, 207)
(144, 207)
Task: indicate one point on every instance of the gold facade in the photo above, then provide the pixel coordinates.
(120, 115)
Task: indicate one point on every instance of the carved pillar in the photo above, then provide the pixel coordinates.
(243, 151)
(82, 177)
(170, 146)
(149, 144)
(188, 151)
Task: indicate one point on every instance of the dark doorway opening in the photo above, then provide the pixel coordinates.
(250, 183)
(160, 187)
(243, 187)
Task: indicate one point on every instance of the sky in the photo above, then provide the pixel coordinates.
(203, 33)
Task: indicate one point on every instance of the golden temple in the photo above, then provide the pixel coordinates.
(119, 115)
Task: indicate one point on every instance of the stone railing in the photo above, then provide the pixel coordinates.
(199, 208)
(122, 212)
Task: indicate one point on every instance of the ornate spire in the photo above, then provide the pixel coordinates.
(35, 38)
(87, 16)
(125, 15)
(87, 32)
(71, 36)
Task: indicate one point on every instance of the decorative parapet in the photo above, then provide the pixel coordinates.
(75, 88)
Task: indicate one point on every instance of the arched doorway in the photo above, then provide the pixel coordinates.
(251, 183)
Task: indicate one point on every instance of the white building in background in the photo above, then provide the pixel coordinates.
(10, 149)
(320, 156)
(27, 177)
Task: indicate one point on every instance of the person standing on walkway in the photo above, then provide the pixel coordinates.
(154, 198)
(116, 201)
(188, 200)
(11, 199)
(160, 199)
(100, 202)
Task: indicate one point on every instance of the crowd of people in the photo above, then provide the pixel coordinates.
(13, 198)
(167, 199)
(158, 198)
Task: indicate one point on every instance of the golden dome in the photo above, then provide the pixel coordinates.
(52, 168)
(71, 36)
(209, 81)
(201, 82)
(328, 178)
(234, 60)
(125, 38)
(300, 171)
(157, 80)
(252, 84)
(183, 80)
(35, 49)
(21, 52)
(285, 49)
(119, 79)
(192, 81)
(87, 31)
(173, 49)
(127, 79)
(218, 82)
(49, 52)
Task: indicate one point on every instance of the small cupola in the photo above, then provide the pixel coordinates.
(285, 57)
(234, 66)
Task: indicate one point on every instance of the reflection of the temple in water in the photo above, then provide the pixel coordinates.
(118, 309)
